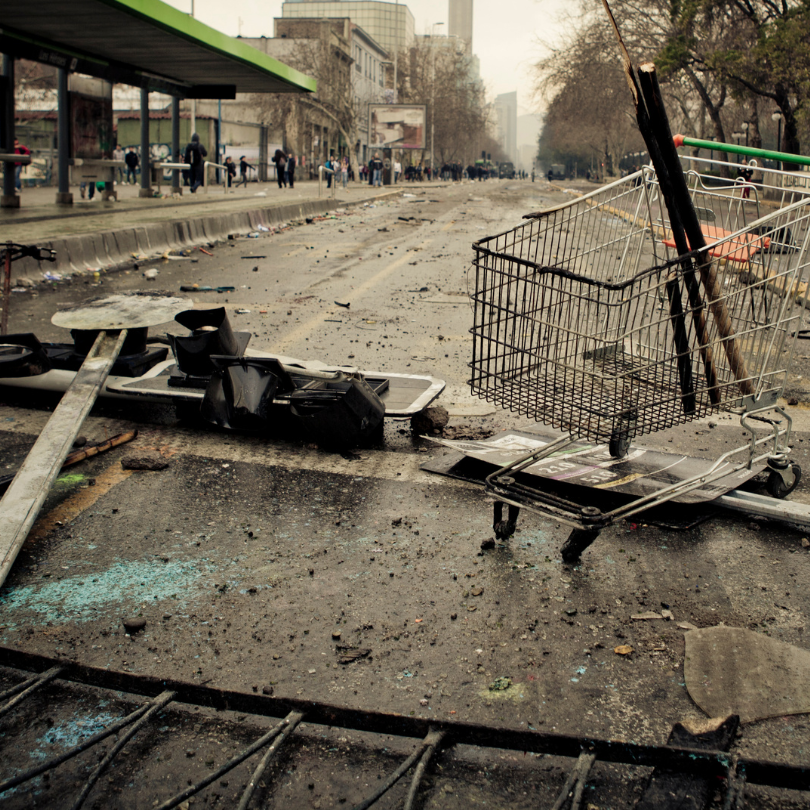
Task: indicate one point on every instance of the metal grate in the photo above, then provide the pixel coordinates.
(437, 741)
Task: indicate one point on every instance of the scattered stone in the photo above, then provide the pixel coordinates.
(479, 591)
(623, 649)
(79, 441)
(190, 753)
(336, 635)
(149, 463)
(500, 684)
(267, 690)
(805, 542)
(351, 655)
(134, 625)
(430, 419)
(488, 544)
(686, 626)
(650, 614)
(453, 616)
(793, 401)
(667, 614)
(423, 702)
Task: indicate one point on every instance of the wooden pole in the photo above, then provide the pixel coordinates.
(683, 201)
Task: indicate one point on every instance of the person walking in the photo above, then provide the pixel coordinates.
(280, 159)
(397, 170)
(243, 171)
(19, 149)
(344, 172)
(329, 165)
(118, 154)
(291, 169)
(376, 170)
(195, 157)
(230, 169)
(132, 161)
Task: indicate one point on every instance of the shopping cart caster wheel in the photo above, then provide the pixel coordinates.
(619, 446)
(504, 529)
(577, 542)
(780, 485)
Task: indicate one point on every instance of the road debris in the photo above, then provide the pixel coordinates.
(146, 463)
(500, 684)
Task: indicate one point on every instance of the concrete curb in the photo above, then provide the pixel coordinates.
(118, 248)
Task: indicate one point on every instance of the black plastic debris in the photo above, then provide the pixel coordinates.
(211, 334)
(241, 391)
(340, 415)
(22, 355)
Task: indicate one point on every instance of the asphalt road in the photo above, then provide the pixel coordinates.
(252, 560)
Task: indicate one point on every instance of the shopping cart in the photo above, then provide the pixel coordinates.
(586, 320)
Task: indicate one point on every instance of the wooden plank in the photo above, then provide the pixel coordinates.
(20, 505)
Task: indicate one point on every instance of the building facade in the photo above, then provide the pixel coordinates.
(391, 25)
(460, 23)
(505, 109)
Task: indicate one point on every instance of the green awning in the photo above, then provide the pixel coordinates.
(145, 43)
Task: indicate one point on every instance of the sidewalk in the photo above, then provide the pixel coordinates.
(97, 234)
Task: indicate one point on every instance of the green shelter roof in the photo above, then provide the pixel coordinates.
(145, 43)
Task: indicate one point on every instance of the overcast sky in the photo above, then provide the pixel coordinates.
(505, 32)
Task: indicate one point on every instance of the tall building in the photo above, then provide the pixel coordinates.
(505, 108)
(461, 21)
(389, 24)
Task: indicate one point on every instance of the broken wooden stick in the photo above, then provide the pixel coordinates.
(708, 270)
(80, 455)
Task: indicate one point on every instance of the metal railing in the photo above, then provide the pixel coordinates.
(321, 170)
(223, 182)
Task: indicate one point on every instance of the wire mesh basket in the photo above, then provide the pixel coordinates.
(586, 319)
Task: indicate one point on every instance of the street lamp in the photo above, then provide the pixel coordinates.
(777, 116)
(737, 136)
(432, 94)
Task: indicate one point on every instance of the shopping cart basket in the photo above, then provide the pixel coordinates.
(586, 319)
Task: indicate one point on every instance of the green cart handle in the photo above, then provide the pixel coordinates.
(785, 157)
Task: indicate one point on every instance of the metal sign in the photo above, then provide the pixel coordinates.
(397, 125)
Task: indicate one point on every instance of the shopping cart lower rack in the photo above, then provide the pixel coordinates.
(586, 319)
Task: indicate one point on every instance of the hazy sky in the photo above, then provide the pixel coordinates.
(505, 32)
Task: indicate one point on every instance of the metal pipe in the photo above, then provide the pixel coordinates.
(146, 180)
(9, 171)
(750, 151)
(63, 195)
(176, 144)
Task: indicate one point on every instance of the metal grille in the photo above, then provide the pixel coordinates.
(586, 320)
(148, 700)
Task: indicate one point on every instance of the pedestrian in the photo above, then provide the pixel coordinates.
(291, 164)
(376, 167)
(330, 170)
(195, 157)
(243, 171)
(230, 170)
(118, 154)
(744, 175)
(397, 170)
(344, 172)
(280, 159)
(19, 149)
(132, 161)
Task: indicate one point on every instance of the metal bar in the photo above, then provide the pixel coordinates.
(146, 174)
(176, 144)
(394, 778)
(63, 134)
(292, 720)
(575, 782)
(157, 704)
(6, 288)
(72, 752)
(687, 760)
(20, 505)
(229, 765)
(787, 157)
(735, 787)
(7, 130)
(796, 514)
(427, 755)
(29, 687)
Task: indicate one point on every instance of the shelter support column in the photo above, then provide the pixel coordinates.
(63, 195)
(10, 198)
(176, 187)
(146, 168)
